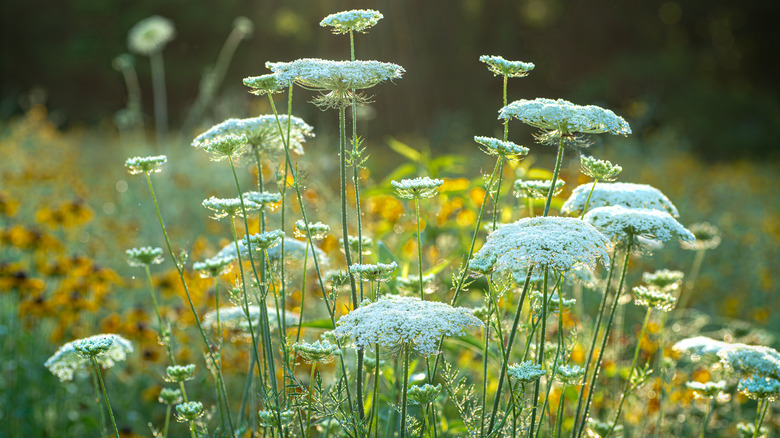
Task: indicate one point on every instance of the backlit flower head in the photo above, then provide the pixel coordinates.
(655, 298)
(393, 321)
(537, 189)
(267, 84)
(624, 194)
(565, 117)
(708, 389)
(189, 411)
(423, 394)
(664, 279)
(500, 148)
(244, 26)
(501, 67)
(271, 418)
(223, 207)
(137, 165)
(263, 199)
(144, 256)
(699, 346)
(180, 373)
(751, 359)
(707, 237)
(261, 132)
(554, 242)
(484, 265)
(213, 267)
(108, 349)
(374, 272)
(264, 240)
(318, 230)
(318, 351)
(357, 20)
(525, 372)
(621, 224)
(601, 170)
(417, 188)
(170, 396)
(570, 375)
(225, 146)
(338, 78)
(150, 35)
(758, 387)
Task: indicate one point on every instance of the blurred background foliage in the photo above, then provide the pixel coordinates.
(708, 69)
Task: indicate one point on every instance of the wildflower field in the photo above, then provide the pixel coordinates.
(264, 275)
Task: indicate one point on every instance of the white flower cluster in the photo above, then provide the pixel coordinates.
(570, 375)
(262, 132)
(144, 256)
(317, 351)
(417, 188)
(364, 242)
(267, 84)
(189, 411)
(699, 346)
(138, 165)
(224, 146)
(655, 298)
(751, 359)
(271, 418)
(537, 189)
(559, 243)
(213, 267)
(708, 389)
(423, 394)
(394, 321)
(67, 361)
(620, 222)
(494, 146)
(759, 387)
(223, 207)
(150, 35)
(323, 74)
(374, 272)
(624, 194)
(707, 237)
(263, 199)
(357, 20)
(501, 67)
(565, 117)
(318, 230)
(664, 279)
(525, 371)
(601, 170)
(233, 318)
(264, 240)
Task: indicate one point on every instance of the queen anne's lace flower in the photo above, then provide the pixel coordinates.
(707, 390)
(651, 297)
(170, 396)
(570, 375)
(189, 411)
(270, 418)
(318, 230)
(263, 199)
(150, 35)
(624, 194)
(137, 165)
(213, 267)
(339, 78)
(494, 146)
(264, 240)
(555, 242)
(423, 394)
(537, 189)
(353, 241)
(266, 84)
(417, 188)
(601, 170)
(700, 345)
(180, 373)
(758, 387)
(621, 223)
(525, 372)
(223, 207)
(751, 359)
(663, 279)
(318, 351)
(262, 132)
(748, 430)
(144, 256)
(224, 146)
(108, 348)
(394, 321)
(707, 237)
(357, 20)
(374, 272)
(565, 117)
(501, 67)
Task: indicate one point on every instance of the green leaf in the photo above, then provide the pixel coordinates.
(405, 150)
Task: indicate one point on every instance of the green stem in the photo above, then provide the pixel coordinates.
(581, 428)
(685, 294)
(554, 178)
(585, 208)
(375, 397)
(559, 413)
(631, 370)
(303, 292)
(402, 430)
(160, 99)
(710, 408)
(540, 355)
(484, 379)
(179, 270)
(105, 395)
(510, 341)
(593, 342)
(167, 420)
(419, 248)
(760, 416)
(95, 385)
(192, 429)
(311, 393)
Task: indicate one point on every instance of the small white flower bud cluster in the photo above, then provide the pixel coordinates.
(423, 394)
(570, 375)
(144, 256)
(189, 411)
(223, 207)
(264, 240)
(150, 35)
(318, 230)
(263, 199)
(318, 351)
(601, 170)
(707, 237)
(417, 188)
(511, 69)
(525, 372)
(138, 165)
(108, 349)
(663, 279)
(180, 373)
(537, 189)
(271, 418)
(357, 20)
(374, 272)
(500, 148)
(261, 131)
(213, 267)
(229, 145)
(708, 389)
(655, 298)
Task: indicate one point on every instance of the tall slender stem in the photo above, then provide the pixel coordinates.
(419, 248)
(554, 178)
(160, 99)
(402, 430)
(540, 354)
(105, 395)
(710, 408)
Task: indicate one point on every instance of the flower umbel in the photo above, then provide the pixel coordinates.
(417, 188)
(564, 117)
(525, 372)
(189, 411)
(624, 194)
(318, 351)
(180, 373)
(108, 348)
(621, 223)
(150, 35)
(261, 132)
(357, 20)
(511, 69)
(375, 272)
(423, 394)
(393, 321)
(601, 170)
(228, 207)
(537, 189)
(707, 237)
(144, 256)
(500, 148)
(138, 165)
(758, 387)
(651, 297)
